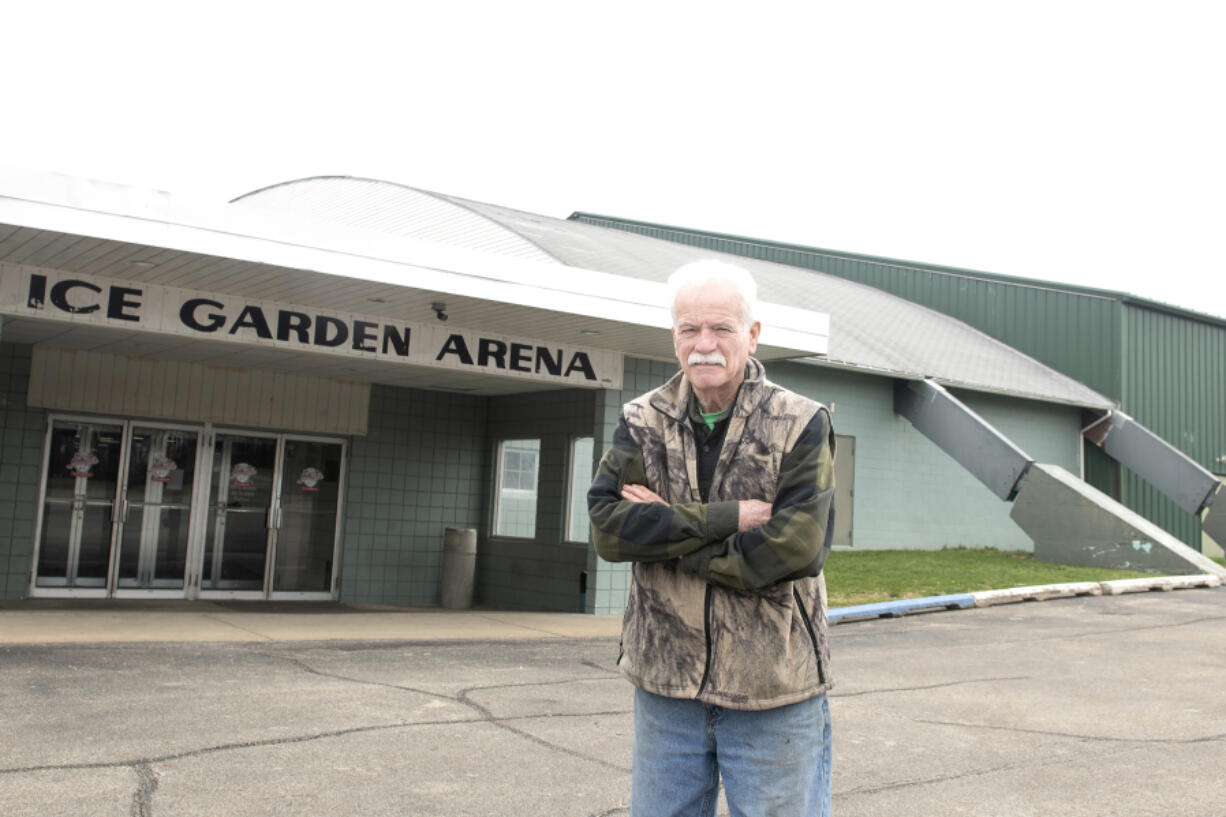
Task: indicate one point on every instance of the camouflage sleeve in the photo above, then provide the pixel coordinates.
(624, 531)
(796, 540)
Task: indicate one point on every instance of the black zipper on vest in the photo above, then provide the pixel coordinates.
(817, 653)
(706, 626)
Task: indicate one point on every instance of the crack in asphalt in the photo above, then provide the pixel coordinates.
(1074, 735)
(587, 662)
(224, 747)
(142, 799)
(463, 697)
(929, 686)
(489, 717)
(298, 662)
(216, 617)
(927, 781)
(1006, 767)
(147, 784)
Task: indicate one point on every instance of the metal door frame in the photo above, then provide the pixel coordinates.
(200, 515)
(334, 579)
(196, 582)
(110, 587)
(272, 522)
(33, 590)
(115, 591)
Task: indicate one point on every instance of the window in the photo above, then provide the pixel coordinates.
(515, 502)
(580, 479)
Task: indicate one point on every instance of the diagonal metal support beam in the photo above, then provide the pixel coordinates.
(964, 435)
(1155, 460)
(1213, 523)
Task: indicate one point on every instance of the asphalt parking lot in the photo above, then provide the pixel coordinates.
(1083, 706)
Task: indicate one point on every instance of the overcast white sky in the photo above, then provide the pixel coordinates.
(1072, 141)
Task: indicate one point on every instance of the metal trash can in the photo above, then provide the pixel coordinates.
(459, 567)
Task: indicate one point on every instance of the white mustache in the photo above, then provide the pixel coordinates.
(713, 359)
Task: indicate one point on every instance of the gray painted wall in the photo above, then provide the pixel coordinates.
(908, 492)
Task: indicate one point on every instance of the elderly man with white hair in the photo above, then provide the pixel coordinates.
(719, 487)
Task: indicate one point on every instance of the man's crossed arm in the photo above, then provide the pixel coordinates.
(743, 544)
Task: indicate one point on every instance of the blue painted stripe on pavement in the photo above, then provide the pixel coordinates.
(900, 608)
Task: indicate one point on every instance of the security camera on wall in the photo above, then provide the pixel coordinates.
(440, 310)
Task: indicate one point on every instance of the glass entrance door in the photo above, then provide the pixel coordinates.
(239, 534)
(306, 516)
(156, 508)
(136, 509)
(116, 506)
(79, 502)
(274, 506)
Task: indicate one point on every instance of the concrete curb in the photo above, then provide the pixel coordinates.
(902, 607)
(1013, 595)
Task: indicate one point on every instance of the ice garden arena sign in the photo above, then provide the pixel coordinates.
(74, 298)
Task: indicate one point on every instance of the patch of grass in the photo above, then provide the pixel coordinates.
(866, 576)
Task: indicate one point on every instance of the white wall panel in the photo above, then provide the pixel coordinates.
(73, 380)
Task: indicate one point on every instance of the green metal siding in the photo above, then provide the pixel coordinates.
(1175, 385)
(1166, 366)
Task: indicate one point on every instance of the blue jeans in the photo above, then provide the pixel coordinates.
(773, 762)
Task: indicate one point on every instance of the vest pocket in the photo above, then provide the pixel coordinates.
(817, 653)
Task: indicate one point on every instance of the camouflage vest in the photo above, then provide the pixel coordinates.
(683, 637)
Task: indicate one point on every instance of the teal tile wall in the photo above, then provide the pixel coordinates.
(609, 583)
(21, 453)
(420, 469)
(541, 572)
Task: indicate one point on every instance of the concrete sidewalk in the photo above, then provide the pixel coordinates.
(54, 621)
(71, 621)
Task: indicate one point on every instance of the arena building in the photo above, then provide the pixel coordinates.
(296, 394)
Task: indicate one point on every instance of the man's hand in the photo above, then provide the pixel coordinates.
(754, 512)
(641, 493)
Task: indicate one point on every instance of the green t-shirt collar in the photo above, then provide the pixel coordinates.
(708, 418)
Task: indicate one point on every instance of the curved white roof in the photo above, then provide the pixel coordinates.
(390, 208)
(870, 329)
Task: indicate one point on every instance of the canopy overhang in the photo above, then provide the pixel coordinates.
(109, 235)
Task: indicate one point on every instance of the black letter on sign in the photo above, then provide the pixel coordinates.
(495, 350)
(363, 334)
(552, 365)
(521, 357)
(401, 342)
(59, 296)
(38, 292)
(322, 322)
(580, 362)
(118, 300)
(187, 314)
(294, 322)
(252, 317)
(455, 345)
